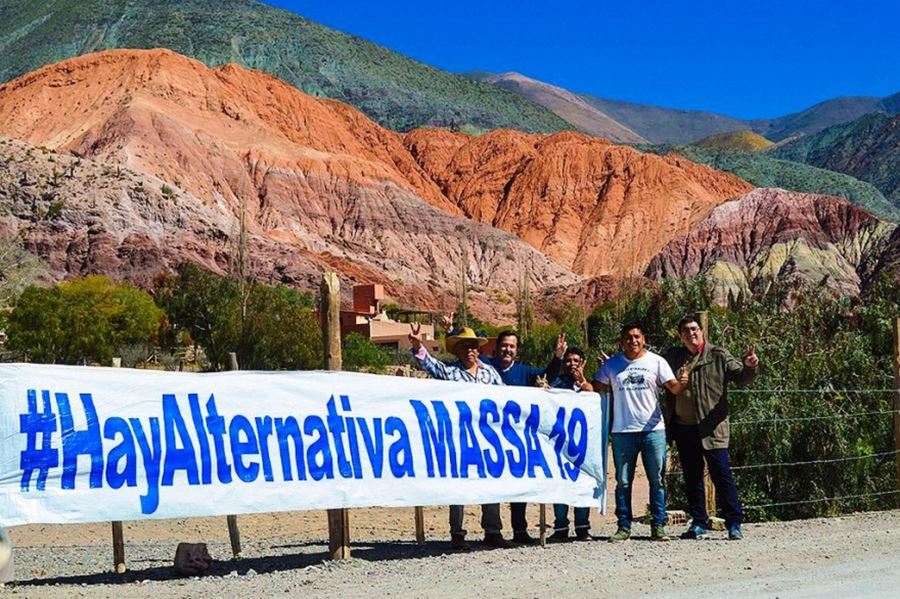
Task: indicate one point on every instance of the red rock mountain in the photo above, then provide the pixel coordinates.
(594, 207)
(776, 233)
(322, 183)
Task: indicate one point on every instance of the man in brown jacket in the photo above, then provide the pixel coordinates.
(697, 420)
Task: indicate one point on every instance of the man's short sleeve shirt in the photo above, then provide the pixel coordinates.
(635, 386)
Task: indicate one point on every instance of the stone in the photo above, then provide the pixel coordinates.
(192, 559)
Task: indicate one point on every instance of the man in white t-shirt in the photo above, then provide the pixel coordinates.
(634, 377)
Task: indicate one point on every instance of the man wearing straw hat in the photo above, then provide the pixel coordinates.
(467, 369)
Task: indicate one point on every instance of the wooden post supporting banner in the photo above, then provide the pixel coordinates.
(543, 525)
(330, 309)
(419, 510)
(118, 536)
(707, 480)
(234, 533)
(897, 396)
(420, 525)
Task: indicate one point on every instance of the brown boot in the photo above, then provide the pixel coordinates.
(458, 543)
(496, 540)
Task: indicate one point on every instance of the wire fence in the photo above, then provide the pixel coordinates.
(810, 452)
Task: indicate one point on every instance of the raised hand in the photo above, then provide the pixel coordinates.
(684, 377)
(578, 374)
(751, 360)
(446, 321)
(415, 335)
(602, 359)
(561, 345)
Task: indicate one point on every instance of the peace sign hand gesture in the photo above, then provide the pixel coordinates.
(602, 359)
(561, 345)
(446, 321)
(415, 336)
(751, 360)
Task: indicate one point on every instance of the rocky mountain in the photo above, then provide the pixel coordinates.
(85, 217)
(824, 115)
(568, 106)
(319, 178)
(396, 91)
(666, 125)
(773, 233)
(594, 207)
(764, 170)
(661, 125)
(867, 148)
(322, 186)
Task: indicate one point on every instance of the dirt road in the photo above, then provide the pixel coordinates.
(855, 555)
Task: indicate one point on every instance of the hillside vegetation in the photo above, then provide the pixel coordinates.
(738, 141)
(764, 170)
(394, 90)
(867, 148)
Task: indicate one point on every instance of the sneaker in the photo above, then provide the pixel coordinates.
(582, 534)
(735, 534)
(623, 534)
(496, 540)
(458, 543)
(559, 536)
(695, 532)
(523, 538)
(658, 533)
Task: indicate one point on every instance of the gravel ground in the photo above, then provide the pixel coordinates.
(854, 555)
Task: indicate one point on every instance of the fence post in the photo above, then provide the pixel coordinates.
(542, 537)
(418, 511)
(118, 536)
(707, 479)
(234, 533)
(897, 396)
(330, 309)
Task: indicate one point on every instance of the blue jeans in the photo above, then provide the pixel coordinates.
(561, 515)
(652, 447)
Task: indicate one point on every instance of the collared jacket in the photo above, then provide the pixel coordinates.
(709, 379)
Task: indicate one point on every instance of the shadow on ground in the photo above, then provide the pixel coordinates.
(369, 551)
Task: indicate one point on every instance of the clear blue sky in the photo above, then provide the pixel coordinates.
(742, 58)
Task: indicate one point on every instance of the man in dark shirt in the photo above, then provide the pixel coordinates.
(572, 379)
(522, 375)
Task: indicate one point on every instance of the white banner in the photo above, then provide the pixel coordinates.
(84, 444)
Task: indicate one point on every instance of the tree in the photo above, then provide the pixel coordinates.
(360, 354)
(81, 321)
(267, 327)
(18, 269)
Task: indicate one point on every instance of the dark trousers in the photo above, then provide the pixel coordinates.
(517, 517)
(692, 455)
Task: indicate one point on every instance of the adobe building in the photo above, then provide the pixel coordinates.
(369, 320)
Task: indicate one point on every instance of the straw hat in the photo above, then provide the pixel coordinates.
(463, 334)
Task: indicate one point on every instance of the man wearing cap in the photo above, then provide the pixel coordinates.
(467, 369)
(697, 420)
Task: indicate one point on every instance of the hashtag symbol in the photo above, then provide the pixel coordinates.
(38, 427)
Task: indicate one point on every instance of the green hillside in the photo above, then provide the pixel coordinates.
(867, 148)
(394, 90)
(764, 170)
